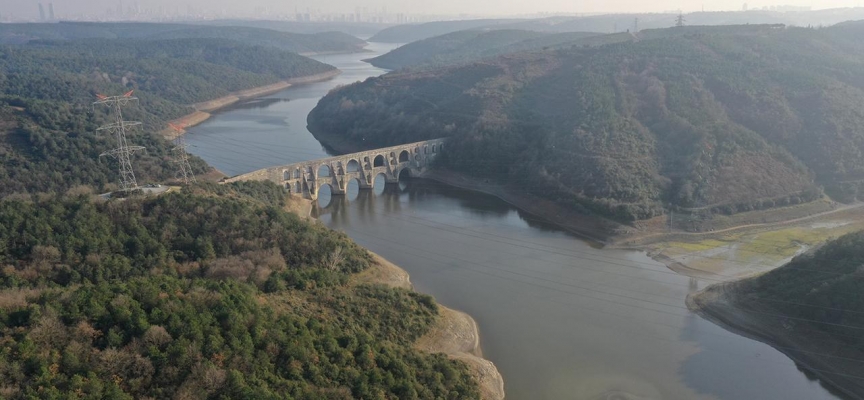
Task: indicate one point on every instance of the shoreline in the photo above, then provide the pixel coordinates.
(454, 334)
(335, 52)
(205, 109)
(592, 229)
(595, 230)
(643, 235)
(710, 304)
(776, 335)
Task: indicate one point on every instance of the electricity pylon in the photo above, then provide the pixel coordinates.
(182, 159)
(123, 152)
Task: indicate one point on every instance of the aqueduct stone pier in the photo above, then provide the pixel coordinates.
(308, 177)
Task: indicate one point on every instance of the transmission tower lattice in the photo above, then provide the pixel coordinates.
(182, 158)
(119, 127)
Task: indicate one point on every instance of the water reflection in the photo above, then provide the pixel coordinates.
(411, 190)
(272, 130)
(736, 382)
(559, 318)
(326, 197)
(255, 104)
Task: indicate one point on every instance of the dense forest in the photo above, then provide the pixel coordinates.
(469, 46)
(207, 292)
(212, 292)
(719, 118)
(179, 70)
(48, 138)
(251, 35)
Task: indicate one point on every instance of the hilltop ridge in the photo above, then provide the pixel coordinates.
(723, 119)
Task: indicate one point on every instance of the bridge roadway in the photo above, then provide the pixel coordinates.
(308, 177)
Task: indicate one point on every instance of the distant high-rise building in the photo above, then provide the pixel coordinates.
(51, 11)
(41, 12)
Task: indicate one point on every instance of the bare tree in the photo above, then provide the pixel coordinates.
(335, 258)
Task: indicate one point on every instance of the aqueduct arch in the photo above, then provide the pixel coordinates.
(308, 177)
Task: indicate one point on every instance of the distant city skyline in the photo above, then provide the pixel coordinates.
(390, 11)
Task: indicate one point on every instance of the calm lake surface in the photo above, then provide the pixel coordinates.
(559, 318)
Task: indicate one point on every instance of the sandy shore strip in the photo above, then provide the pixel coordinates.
(205, 109)
(454, 333)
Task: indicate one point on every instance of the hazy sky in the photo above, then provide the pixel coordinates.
(29, 8)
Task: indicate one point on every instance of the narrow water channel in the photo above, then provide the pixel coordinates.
(560, 319)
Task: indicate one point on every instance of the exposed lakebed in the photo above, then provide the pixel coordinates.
(560, 318)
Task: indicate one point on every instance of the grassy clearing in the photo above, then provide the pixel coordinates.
(695, 246)
(745, 253)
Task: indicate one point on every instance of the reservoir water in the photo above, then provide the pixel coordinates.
(558, 317)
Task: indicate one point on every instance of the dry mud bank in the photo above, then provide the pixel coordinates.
(204, 110)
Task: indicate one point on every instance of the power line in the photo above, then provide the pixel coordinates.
(182, 159)
(685, 254)
(185, 169)
(119, 127)
(632, 264)
(402, 246)
(558, 282)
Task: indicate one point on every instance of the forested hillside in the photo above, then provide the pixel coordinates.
(467, 46)
(809, 308)
(214, 292)
(721, 118)
(295, 42)
(48, 138)
(209, 292)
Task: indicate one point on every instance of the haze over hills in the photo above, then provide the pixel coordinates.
(412, 33)
(295, 42)
(358, 29)
(473, 45)
(614, 23)
(723, 118)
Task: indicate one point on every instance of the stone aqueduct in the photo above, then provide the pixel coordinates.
(308, 177)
